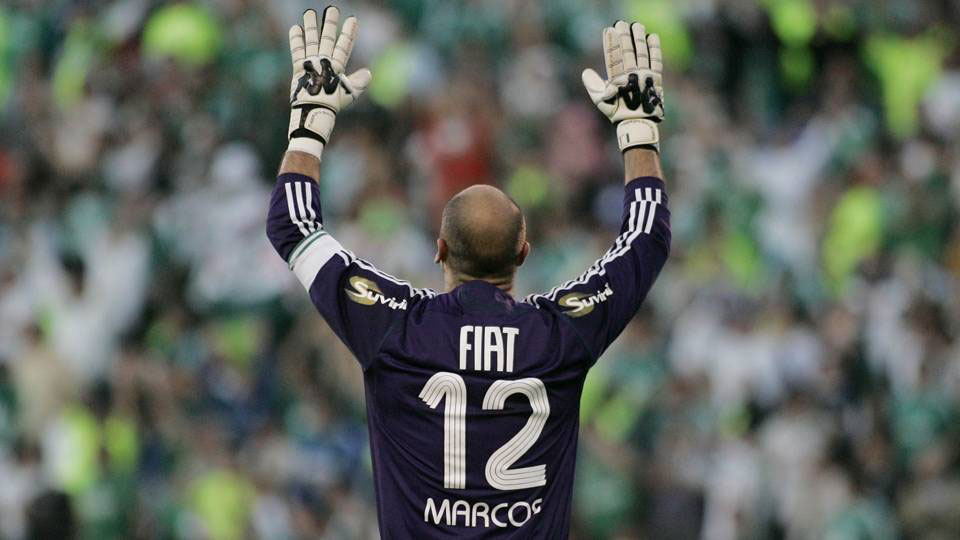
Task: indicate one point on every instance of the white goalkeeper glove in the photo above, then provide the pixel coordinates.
(632, 95)
(319, 89)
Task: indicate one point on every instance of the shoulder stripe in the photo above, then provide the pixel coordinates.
(414, 291)
(642, 215)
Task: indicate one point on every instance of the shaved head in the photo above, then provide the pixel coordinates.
(484, 232)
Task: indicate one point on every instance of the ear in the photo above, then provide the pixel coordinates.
(524, 251)
(441, 251)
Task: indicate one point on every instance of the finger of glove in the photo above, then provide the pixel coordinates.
(593, 83)
(357, 82)
(344, 46)
(612, 53)
(656, 58)
(310, 32)
(626, 46)
(639, 34)
(328, 34)
(297, 49)
(597, 88)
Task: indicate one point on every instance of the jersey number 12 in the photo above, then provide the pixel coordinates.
(451, 388)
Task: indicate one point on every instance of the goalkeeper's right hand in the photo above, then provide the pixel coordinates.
(632, 95)
(320, 89)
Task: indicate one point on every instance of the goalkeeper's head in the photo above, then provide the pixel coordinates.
(482, 236)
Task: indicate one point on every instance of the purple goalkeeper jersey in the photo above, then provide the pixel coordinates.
(472, 397)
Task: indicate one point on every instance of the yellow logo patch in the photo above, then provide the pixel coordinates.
(580, 304)
(367, 293)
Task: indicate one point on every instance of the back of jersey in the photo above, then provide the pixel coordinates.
(473, 408)
(472, 396)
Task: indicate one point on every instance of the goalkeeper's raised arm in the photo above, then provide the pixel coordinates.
(358, 301)
(601, 301)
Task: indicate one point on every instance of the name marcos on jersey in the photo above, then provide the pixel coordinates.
(460, 513)
(581, 304)
(367, 293)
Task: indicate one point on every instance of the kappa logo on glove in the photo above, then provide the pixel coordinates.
(313, 81)
(634, 98)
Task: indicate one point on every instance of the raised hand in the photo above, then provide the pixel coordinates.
(632, 95)
(319, 89)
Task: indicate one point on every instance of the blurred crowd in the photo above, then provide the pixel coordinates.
(794, 374)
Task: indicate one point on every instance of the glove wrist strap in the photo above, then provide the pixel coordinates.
(641, 132)
(306, 145)
(310, 128)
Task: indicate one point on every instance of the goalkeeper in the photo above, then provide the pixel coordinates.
(472, 395)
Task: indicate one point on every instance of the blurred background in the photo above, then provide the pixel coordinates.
(794, 374)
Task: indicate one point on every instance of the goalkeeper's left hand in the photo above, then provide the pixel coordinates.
(320, 89)
(632, 95)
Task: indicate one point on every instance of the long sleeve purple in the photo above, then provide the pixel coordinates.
(600, 302)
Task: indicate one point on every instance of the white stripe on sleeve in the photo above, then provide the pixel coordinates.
(655, 201)
(291, 208)
(313, 214)
(298, 190)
